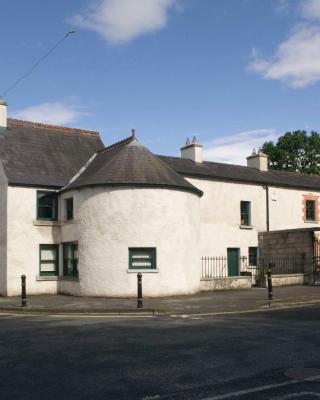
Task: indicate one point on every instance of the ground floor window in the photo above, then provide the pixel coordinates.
(70, 259)
(142, 258)
(253, 256)
(49, 259)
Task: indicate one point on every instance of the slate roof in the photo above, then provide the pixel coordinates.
(129, 163)
(229, 172)
(44, 155)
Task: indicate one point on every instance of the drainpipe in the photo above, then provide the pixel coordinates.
(267, 208)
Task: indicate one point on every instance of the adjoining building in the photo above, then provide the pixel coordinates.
(80, 218)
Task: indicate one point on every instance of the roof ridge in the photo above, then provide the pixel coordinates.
(117, 144)
(64, 129)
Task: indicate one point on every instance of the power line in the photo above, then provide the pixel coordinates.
(52, 49)
(34, 66)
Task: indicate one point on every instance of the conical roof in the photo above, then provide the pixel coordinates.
(129, 163)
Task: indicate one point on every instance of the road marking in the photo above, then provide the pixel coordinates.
(293, 395)
(251, 390)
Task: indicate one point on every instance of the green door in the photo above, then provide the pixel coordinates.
(233, 261)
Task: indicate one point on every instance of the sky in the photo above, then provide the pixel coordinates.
(233, 73)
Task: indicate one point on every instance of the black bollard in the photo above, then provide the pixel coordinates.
(270, 292)
(23, 291)
(139, 300)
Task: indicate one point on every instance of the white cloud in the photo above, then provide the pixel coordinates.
(123, 20)
(234, 149)
(56, 113)
(296, 61)
(310, 9)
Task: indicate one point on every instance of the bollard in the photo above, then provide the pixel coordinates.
(23, 291)
(139, 300)
(270, 292)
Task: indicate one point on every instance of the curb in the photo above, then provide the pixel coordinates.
(78, 312)
(149, 312)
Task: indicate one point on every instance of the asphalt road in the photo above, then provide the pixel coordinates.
(226, 357)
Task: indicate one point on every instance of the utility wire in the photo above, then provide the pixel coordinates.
(52, 49)
(29, 72)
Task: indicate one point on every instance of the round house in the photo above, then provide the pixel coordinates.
(133, 213)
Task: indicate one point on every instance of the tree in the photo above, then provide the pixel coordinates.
(295, 151)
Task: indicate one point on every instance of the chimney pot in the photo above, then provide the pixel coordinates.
(3, 113)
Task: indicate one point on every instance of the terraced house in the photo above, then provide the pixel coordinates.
(80, 218)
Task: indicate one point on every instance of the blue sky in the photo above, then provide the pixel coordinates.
(232, 72)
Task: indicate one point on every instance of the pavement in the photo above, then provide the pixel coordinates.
(201, 304)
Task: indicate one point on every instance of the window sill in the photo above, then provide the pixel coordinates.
(39, 222)
(308, 221)
(69, 278)
(143, 271)
(47, 278)
(67, 221)
(57, 278)
(249, 227)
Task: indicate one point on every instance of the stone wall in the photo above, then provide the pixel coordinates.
(294, 243)
(230, 282)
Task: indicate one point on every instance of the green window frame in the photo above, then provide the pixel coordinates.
(68, 208)
(70, 259)
(49, 259)
(47, 206)
(142, 258)
(245, 213)
(253, 256)
(310, 210)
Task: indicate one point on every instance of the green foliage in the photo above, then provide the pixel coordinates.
(295, 151)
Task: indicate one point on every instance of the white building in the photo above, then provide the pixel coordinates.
(80, 218)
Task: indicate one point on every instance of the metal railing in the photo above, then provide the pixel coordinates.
(217, 267)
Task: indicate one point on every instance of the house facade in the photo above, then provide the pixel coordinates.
(80, 218)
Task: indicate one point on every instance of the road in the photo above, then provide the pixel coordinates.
(227, 357)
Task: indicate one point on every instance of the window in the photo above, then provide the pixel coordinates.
(253, 256)
(142, 258)
(70, 259)
(310, 210)
(47, 206)
(245, 211)
(49, 259)
(68, 208)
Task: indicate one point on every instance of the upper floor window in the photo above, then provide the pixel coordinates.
(245, 213)
(47, 205)
(68, 208)
(310, 210)
(310, 204)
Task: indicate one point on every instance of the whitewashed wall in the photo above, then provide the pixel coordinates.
(286, 208)
(3, 232)
(24, 237)
(220, 216)
(112, 220)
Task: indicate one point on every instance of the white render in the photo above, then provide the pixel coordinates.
(3, 114)
(109, 220)
(193, 152)
(258, 161)
(113, 220)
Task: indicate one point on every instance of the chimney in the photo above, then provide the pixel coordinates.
(3, 114)
(258, 160)
(192, 151)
